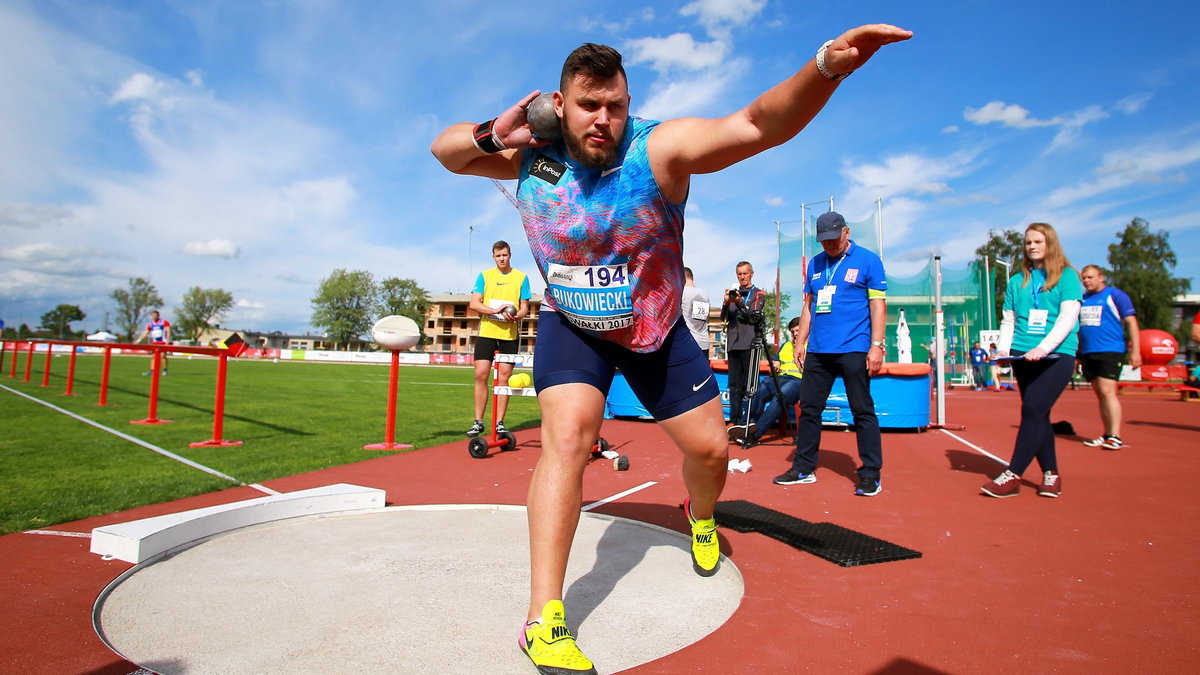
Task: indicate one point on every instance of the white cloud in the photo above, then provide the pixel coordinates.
(213, 248)
(714, 13)
(39, 252)
(908, 173)
(698, 95)
(952, 129)
(34, 216)
(675, 51)
(1007, 114)
(138, 87)
(1072, 126)
(1133, 104)
(775, 201)
(1129, 167)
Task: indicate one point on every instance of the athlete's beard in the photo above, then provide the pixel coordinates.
(591, 158)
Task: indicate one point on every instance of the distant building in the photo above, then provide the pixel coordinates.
(452, 327)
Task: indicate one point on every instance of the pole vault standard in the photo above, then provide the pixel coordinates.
(222, 355)
(939, 341)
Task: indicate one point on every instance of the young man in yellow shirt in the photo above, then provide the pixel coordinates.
(501, 296)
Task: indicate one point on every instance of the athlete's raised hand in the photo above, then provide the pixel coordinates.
(512, 127)
(852, 49)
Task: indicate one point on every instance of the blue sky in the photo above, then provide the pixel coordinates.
(257, 147)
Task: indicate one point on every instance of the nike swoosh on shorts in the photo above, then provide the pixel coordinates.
(696, 387)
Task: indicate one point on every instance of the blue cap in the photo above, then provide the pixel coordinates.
(830, 226)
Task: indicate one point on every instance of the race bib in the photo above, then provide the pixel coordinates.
(1037, 320)
(699, 310)
(156, 333)
(1091, 315)
(824, 304)
(595, 297)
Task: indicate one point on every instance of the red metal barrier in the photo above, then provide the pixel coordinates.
(155, 374)
(46, 368)
(218, 413)
(157, 351)
(104, 376)
(71, 373)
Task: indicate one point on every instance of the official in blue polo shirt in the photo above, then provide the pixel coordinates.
(1105, 317)
(842, 322)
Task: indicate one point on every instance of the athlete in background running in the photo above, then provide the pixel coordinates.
(159, 332)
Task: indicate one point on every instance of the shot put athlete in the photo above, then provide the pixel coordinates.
(603, 211)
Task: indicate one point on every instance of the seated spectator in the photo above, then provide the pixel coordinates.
(765, 408)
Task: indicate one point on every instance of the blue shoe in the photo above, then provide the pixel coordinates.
(868, 487)
(794, 477)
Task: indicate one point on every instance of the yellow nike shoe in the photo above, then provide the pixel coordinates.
(550, 645)
(706, 549)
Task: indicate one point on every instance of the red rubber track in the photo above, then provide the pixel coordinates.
(1099, 580)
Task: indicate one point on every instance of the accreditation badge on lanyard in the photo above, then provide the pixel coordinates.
(595, 297)
(1038, 317)
(824, 303)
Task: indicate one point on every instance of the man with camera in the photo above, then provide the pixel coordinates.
(742, 314)
(841, 334)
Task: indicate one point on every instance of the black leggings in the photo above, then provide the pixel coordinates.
(1041, 383)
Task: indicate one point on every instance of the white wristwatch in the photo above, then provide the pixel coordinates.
(821, 64)
(881, 345)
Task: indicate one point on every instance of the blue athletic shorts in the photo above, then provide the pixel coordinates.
(668, 382)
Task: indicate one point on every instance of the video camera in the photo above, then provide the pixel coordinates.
(754, 317)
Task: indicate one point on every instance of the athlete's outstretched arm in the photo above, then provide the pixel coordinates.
(682, 147)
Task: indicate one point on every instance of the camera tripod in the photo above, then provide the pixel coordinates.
(750, 387)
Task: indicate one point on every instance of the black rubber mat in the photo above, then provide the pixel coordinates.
(832, 542)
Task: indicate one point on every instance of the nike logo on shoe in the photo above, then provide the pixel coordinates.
(608, 171)
(696, 387)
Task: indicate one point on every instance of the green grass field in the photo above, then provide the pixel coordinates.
(293, 417)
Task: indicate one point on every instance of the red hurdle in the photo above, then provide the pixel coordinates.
(157, 351)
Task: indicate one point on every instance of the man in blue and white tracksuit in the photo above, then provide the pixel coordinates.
(1108, 338)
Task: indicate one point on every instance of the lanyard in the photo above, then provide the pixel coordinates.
(831, 273)
(1038, 287)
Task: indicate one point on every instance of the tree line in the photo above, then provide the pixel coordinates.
(1140, 262)
(348, 302)
(199, 309)
(346, 305)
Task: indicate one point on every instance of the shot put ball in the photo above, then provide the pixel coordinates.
(543, 120)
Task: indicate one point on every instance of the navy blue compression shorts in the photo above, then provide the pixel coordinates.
(668, 382)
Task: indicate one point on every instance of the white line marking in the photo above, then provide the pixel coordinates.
(131, 439)
(974, 447)
(58, 533)
(617, 496)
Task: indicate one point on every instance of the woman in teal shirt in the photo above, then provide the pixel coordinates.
(1039, 329)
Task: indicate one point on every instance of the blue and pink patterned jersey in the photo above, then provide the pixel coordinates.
(608, 243)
